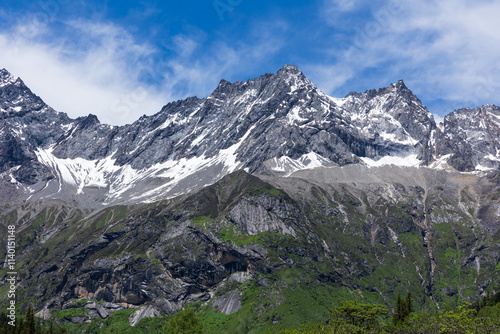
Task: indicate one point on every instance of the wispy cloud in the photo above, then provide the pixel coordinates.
(87, 70)
(444, 49)
(100, 68)
(341, 6)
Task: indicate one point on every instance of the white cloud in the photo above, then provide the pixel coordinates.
(336, 12)
(101, 69)
(438, 118)
(94, 76)
(342, 6)
(443, 49)
(329, 78)
(200, 64)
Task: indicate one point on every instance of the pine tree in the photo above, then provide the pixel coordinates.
(30, 321)
(21, 327)
(396, 318)
(409, 306)
(403, 309)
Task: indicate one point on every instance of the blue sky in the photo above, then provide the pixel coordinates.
(122, 59)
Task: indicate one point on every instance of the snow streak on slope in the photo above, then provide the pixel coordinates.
(6, 78)
(288, 165)
(124, 183)
(78, 172)
(408, 161)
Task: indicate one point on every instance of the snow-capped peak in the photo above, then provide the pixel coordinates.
(6, 78)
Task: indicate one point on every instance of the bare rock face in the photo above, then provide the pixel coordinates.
(148, 311)
(229, 303)
(253, 219)
(44, 314)
(475, 137)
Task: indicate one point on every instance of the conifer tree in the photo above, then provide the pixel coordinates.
(403, 309)
(30, 321)
(409, 306)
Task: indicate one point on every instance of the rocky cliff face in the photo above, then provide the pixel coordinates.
(392, 120)
(475, 137)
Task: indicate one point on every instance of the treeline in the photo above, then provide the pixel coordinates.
(349, 317)
(357, 317)
(28, 324)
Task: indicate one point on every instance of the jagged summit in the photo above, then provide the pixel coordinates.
(475, 134)
(398, 87)
(292, 69)
(289, 79)
(6, 78)
(16, 97)
(400, 84)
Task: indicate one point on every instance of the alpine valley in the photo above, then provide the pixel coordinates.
(263, 204)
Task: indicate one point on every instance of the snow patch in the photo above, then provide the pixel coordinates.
(492, 157)
(408, 161)
(81, 173)
(338, 101)
(294, 117)
(77, 172)
(8, 80)
(288, 165)
(441, 162)
(394, 138)
(483, 168)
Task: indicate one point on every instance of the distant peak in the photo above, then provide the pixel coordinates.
(224, 83)
(288, 75)
(400, 84)
(6, 77)
(399, 88)
(291, 69)
(88, 121)
(293, 77)
(222, 88)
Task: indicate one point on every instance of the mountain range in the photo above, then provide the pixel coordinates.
(265, 185)
(271, 125)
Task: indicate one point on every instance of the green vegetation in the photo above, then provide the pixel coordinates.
(271, 191)
(201, 221)
(338, 260)
(403, 309)
(355, 317)
(184, 322)
(228, 234)
(361, 315)
(27, 324)
(350, 316)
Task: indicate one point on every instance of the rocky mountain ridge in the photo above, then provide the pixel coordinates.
(271, 125)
